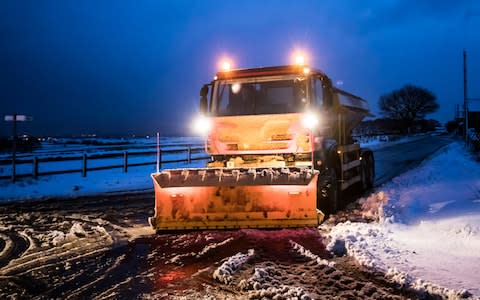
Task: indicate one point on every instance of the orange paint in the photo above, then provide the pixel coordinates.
(238, 206)
(258, 134)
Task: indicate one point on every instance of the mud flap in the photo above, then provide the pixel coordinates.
(235, 198)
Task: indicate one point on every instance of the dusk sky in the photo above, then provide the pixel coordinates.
(135, 67)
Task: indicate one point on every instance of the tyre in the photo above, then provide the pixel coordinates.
(328, 198)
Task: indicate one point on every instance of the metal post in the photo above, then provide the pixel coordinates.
(84, 165)
(35, 167)
(159, 153)
(159, 160)
(465, 95)
(14, 147)
(189, 151)
(125, 161)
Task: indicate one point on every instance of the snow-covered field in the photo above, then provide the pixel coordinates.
(427, 237)
(376, 142)
(65, 147)
(107, 181)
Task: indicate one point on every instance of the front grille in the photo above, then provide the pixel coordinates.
(281, 137)
(232, 147)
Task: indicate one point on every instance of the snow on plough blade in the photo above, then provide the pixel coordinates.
(223, 198)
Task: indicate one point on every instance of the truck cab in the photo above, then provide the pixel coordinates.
(284, 116)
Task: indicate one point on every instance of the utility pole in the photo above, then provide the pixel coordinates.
(14, 147)
(465, 97)
(15, 118)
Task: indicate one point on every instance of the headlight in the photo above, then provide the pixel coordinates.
(202, 125)
(310, 120)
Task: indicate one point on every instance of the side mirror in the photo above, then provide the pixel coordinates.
(203, 105)
(203, 99)
(204, 91)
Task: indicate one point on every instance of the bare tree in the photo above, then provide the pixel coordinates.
(408, 104)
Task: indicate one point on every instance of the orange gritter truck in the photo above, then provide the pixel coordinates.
(281, 149)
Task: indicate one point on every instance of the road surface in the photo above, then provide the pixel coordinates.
(101, 247)
(397, 159)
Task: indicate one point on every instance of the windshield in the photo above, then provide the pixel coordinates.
(259, 96)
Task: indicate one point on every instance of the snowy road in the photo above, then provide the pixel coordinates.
(396, 159)
(101, 247)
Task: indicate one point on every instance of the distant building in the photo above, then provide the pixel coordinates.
(474, 115)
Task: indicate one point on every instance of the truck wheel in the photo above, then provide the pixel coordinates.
(329, 196)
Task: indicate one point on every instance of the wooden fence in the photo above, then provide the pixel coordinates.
(83, 160)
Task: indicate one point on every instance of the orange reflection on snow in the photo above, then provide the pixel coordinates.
(172, 276)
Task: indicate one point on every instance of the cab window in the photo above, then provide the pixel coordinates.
(318, 92)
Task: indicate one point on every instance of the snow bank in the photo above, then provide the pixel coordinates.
(428, 232)
(225, 271)
(376, 247)
(307, 253)
(57, 237)
(372, 206)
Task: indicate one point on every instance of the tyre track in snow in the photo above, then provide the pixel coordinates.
(170, 265)
(14, 247)
(76, 244)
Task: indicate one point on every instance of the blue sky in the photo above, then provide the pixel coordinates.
(135, 67)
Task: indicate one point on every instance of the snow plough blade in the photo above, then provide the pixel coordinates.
(235, 198)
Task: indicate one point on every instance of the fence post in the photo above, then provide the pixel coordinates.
(84, 165)
(35, 167)
(189, 159)
(125, 161)
(160, 158)
(14, 148)
(159, 153)
(14, 169)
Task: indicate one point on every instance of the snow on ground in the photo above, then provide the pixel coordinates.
(73, 185)
(232, 264)
(73, 146)
(177, 258)
(263, 285)
(428, 236)
(307, 253)
(107, 181)
(377, 142)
